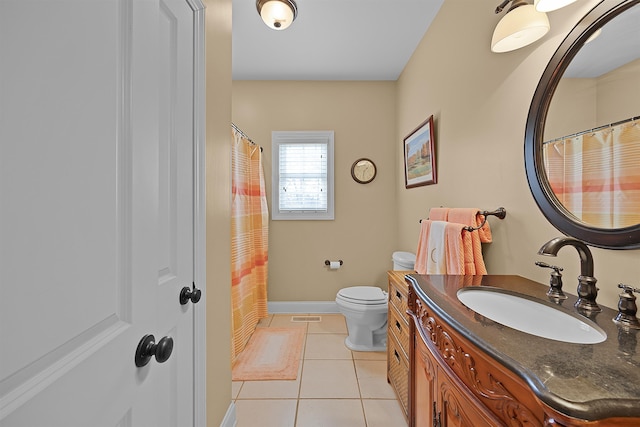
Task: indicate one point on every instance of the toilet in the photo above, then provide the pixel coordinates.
(403, 260)
(365, 310)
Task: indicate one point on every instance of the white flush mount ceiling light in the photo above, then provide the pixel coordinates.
(277, 14)
(549, 5)
(521, 26)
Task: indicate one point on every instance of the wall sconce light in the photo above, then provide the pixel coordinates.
(277, 14)
(521, 26)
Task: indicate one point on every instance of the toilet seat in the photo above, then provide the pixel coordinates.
(363, 295)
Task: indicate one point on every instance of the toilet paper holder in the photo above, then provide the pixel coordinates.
(327, 262)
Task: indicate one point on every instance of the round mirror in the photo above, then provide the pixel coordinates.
(582, 139)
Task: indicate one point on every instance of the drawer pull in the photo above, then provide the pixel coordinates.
(395, 353)
(398, 326)
(398, 295)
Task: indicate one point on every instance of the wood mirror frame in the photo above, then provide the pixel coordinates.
(553, 210)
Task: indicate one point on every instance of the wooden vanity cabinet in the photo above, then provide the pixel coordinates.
(398, 337)
(424, 383)
(453, 384)
(443, 400)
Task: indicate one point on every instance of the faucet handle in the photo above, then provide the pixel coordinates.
(555, 281)
(627, 307)
(553, 267)
(628, 289)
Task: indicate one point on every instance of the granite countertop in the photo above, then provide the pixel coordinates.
(586, 381)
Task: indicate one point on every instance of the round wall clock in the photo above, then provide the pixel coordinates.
(363, 171)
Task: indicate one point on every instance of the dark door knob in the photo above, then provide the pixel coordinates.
(187, 294)
(147, 348)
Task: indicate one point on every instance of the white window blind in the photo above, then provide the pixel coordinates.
(303, 175)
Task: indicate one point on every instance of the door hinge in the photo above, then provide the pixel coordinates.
(437, 421)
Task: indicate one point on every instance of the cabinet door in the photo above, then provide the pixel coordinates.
(424, 383)
(459, 408)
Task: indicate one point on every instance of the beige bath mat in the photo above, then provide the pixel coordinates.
(270, 354)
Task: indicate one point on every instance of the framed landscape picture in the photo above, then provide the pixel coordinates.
(419, 156)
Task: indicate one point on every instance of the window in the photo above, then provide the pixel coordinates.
(302, 177)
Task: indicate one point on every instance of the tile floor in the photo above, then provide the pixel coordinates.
(336, 387)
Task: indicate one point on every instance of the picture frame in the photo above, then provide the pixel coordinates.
(419, 156)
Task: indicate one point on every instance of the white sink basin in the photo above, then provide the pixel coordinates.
(528, 315)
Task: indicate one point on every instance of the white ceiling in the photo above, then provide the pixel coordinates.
(330, 40)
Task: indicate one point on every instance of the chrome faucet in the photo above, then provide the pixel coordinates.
(587, 290)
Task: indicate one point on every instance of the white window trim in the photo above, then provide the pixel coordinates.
(278, 137)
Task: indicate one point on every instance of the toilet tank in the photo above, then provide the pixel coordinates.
(403, 260)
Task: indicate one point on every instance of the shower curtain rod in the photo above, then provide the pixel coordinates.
(233, 125)
(573, 135)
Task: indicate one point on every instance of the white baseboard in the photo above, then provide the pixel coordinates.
(299, 307)
(229, 419)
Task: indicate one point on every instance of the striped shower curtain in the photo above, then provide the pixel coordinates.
(249, 241)
(595, 174)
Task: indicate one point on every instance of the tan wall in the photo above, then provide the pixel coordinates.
(480, 101)
(218, 222)
(363, 234)
(573, 108)
(619, 94)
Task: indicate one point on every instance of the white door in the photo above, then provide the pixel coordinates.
(97, 146)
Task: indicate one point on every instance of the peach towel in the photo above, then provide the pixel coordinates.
(422, 253)
(473, 264)
(470, 217)
(438, 214)
(458, 249)
(455, 235)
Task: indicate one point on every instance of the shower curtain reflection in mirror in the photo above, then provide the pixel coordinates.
(595, 174)
(249, 240)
